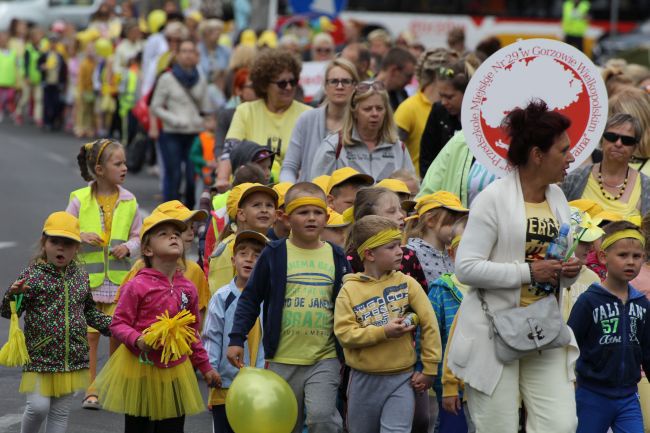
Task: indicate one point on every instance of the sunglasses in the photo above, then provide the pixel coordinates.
(365, 86)
(613, 137)
(282, 84)
(335, 82)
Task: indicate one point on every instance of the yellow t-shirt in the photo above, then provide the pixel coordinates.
(253, 121)
(627, 209)
(221, 270)
(541, 229)
(411, 116)
(107, 205)
(307, 332)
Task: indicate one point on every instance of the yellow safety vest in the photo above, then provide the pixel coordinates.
(574, 18)
(98, 262)
(8, 69)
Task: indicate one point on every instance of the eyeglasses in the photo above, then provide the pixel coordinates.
(613, 137)
(345, 82)
(365, 86)
(282, 84)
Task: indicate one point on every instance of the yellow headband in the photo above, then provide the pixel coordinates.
(455, 241)
(101, 150)
(304, 201)
(623, 234)
(381, 238)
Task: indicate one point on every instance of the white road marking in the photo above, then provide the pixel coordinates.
(9, 244)
(8, 420)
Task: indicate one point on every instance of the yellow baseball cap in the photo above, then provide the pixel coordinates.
(250, 234)
(156, 19)
(347, 173)
(438, 199)
(586, 205)
(178, 210)
(248, 37)
(282, 188)
(243, 190)
(322, 182)
(157, 218)
(348, 215)
(268, 38)
(584, 226)
(395, 185)
(63, 225)
(608, 217)
(335, 219)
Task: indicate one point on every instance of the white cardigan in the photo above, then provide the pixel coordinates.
(491, 256)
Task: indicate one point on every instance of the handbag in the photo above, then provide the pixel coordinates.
(520, 331)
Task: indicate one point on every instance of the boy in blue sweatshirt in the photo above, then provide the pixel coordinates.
(611, 326)
(297, 279)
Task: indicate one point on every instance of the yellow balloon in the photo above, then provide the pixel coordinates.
(103, 47)
(260, 401)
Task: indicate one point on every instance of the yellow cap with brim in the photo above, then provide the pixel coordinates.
(178, 210)
(157, 218)
(345, 174)
(250, 234)
(248, 38)
(243, 190)
(438, 199)
(584, 226)
(268, 38)
(282, 188)
(335, 220)
(395, 185)
(607, 217)
(586, 205)
(348, 215)
(62, 225)
(322, 182)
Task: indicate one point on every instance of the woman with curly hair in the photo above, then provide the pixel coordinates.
(268, 121)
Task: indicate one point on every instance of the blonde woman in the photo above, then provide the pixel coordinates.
(368, 141)
(314, 125)
(635, 102)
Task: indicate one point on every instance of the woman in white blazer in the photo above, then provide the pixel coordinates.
(510, 225)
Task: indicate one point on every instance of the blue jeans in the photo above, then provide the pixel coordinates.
(597, 413)
(175, 153)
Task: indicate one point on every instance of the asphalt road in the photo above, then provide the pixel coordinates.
(38, 170)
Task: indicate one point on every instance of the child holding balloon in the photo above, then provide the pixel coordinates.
(375, 316)
(152, 380)
(297, 280)
(218, 324)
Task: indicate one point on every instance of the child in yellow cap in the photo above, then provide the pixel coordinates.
(191, 270)
(250, 206)
(429, 232)
(296, 281)
(53, 293)
(335, 229)
(374, 322)
(153, 382)
(343, 186)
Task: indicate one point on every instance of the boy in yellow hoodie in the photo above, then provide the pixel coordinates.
(374, 322)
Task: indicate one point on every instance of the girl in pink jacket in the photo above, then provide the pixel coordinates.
(155, 393)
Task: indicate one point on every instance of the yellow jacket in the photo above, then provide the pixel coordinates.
(364, 305)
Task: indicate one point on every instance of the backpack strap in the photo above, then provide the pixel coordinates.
(339, 145)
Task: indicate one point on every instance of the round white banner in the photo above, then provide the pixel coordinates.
(545, 69)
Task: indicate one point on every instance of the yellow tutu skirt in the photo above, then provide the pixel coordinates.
(127, 386)
(54, 384)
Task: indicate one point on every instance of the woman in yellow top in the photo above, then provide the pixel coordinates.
(612, 183)
(269, 120)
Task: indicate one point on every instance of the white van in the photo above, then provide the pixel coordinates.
(45, 12)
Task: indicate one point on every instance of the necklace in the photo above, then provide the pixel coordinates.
(602, 184)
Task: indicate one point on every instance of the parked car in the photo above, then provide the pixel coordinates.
(623, 45)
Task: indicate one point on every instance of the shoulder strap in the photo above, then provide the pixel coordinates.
(339, 145)
(486, 310)
(229, 299)
(189, 94)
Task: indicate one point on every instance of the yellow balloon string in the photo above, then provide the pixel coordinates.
(174, 335)
(14, 352)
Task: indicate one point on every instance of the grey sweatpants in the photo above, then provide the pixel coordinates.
(53, 409)
(316, 388)
(380, 403)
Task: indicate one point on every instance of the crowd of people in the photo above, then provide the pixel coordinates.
(349, 241)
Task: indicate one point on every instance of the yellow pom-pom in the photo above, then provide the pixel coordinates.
(14, 352)
(174, 335)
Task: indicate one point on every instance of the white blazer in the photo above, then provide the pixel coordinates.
(491, 256)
